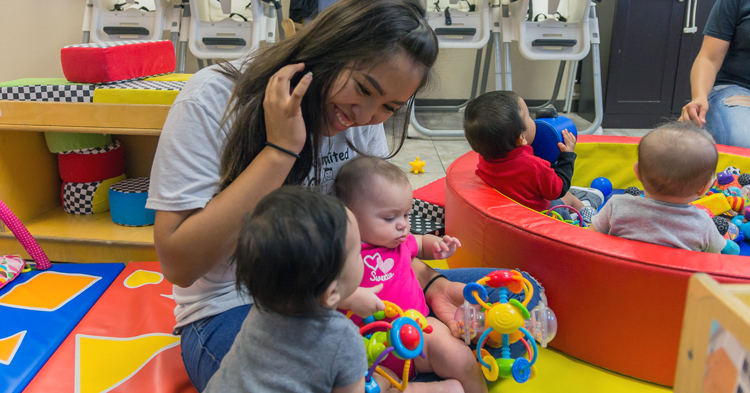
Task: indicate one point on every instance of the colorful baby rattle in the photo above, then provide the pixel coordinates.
(505, 322)
(403, 338)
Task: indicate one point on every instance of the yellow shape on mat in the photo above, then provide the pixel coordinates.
(170, 77)
(104, 363)
(140, 278)
(47, 291)
(9, 346)
(560, 373)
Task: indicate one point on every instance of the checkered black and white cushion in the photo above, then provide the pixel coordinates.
(132, 186)
(78, 198)
(61, 93)
(428, 211)
(145, 85)
(94, 150)
(422, 226)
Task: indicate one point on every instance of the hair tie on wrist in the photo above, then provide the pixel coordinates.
(426, 287)
(279, 148)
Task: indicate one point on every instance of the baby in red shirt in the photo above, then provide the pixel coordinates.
(498, 126)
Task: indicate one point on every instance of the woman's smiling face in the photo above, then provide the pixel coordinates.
(370, 96)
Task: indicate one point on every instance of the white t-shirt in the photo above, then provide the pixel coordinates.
(186, 173)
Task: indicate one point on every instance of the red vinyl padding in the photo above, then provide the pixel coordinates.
(619, 303)
(92, 63)
(433, 193)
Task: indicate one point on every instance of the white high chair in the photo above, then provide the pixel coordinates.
(214, 34)
(458, 24)
(106, 20)
(549, 39)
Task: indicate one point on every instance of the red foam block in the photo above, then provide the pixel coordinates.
(99, 63)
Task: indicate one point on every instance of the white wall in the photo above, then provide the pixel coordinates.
(33, 31)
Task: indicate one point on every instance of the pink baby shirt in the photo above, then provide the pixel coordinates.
(392, 267)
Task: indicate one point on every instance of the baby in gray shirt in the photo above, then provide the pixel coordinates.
(676, 164)
(298, 255)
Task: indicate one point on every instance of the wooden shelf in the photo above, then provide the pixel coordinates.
(123, 119)
(30, 181)
(85, 238)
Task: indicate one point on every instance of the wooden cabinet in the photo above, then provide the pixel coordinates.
(650, 60)
(30, 183)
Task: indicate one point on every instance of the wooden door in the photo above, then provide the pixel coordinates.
(645, 51)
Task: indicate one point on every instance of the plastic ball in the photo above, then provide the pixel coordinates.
(745, 228)
(470, 320)
(733, 170)
(410, 337)
(733, 231)
(602, 184)
(543, 324)
(739, 220)
(747, 213)
(745, 191)
(723, 178)
(744, 179)
(504, 366)
(722, 224)
(504, 318)
(634, 191)
(375, 346)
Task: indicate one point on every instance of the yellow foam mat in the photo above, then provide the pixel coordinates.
(560, 373)
(174, 77)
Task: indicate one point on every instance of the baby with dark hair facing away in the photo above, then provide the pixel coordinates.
(298, 255)
(676, 164)
(499, 127)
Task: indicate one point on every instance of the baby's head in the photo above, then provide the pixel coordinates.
(299, 252)
(676, 160)
(496, 123)
(380, 196)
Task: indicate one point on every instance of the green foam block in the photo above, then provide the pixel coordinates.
(64, 141)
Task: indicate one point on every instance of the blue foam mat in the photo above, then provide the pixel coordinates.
(46, 330)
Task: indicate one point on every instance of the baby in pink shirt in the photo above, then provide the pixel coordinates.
(380, 196)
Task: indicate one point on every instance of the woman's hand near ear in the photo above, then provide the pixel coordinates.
(285, 126)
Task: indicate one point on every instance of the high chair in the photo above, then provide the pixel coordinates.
(109, 20)
(215, 34)
(458, 25)
(547, 39)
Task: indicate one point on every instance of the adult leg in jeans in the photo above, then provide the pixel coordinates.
(728, 116)
(205, 342)
(469, 275)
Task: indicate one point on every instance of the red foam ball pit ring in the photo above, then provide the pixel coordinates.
(619, 303)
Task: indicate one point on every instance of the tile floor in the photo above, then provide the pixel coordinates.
(438, 153)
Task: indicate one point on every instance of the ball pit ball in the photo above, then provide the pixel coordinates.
(733, 170)
(722, 224)
(602, 184)
(744, 179)
(634, 191)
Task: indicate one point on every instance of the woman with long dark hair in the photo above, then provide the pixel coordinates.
(291, 114)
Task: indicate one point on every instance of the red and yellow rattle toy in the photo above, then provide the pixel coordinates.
(403, 338)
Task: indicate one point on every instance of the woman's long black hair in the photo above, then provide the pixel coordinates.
(351, 34)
